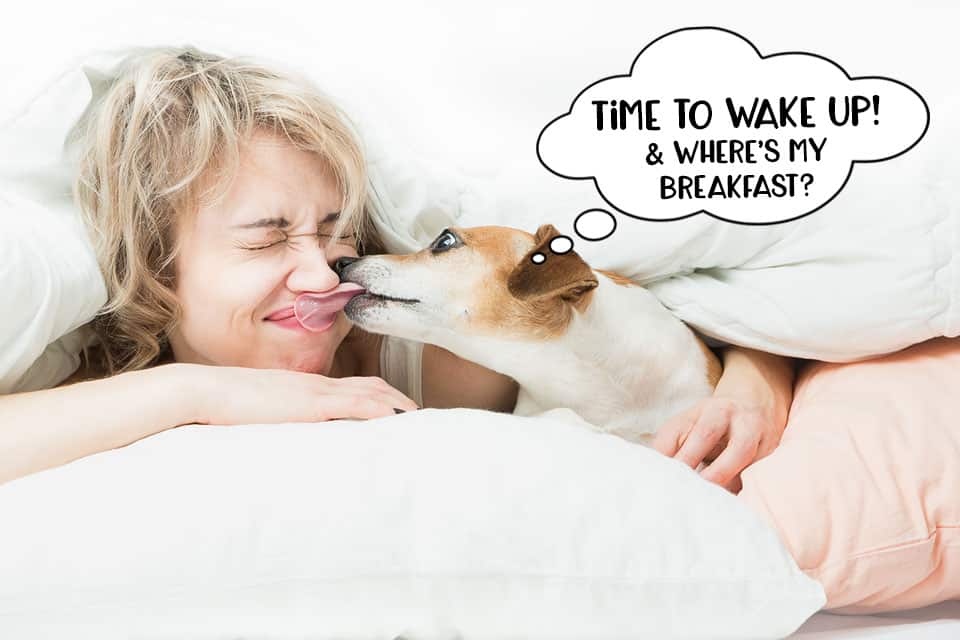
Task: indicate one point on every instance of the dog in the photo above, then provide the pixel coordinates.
(571, 336)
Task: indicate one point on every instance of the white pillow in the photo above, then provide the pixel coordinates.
(429, 524)
(50, 285)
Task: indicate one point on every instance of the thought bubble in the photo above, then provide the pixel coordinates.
(559, 245)
(595, 224)
(704, 123)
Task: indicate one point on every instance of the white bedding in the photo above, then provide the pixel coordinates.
(490, 525)
(937, 622)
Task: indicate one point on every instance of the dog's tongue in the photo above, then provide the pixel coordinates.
(317, 311)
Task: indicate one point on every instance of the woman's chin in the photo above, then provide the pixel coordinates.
(312, 363)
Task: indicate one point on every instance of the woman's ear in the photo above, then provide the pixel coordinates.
(558, 275)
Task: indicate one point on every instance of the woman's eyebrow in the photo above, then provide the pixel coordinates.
(331, 217)
(277, 223)
(281, 223)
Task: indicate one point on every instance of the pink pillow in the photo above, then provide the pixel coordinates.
(864, 488)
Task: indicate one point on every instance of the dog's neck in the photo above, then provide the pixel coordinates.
(625, 350)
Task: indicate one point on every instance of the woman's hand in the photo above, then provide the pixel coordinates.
(240, 395)
(741, 423)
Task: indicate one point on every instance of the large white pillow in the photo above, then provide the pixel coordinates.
(429, 524)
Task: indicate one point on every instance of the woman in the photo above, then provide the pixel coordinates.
(217, 191)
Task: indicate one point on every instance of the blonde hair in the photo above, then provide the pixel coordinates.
(171, 117)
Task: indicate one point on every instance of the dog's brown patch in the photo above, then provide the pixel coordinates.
(523, 298)
(499, 246)
(714, 368)
(623, 281)
(564, 275)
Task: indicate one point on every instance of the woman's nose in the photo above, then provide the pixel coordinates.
(342, 263)
(313, 272)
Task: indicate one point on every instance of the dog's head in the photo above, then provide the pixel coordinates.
(475, 281)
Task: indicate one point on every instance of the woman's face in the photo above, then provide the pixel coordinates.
(251, 255)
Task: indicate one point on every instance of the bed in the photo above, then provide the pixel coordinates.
(890, 287)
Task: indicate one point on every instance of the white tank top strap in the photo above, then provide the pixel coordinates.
(401, 366)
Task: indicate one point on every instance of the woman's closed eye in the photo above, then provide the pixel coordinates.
(347, 239)
(259, 246)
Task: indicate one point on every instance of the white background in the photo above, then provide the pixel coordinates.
(474, 83)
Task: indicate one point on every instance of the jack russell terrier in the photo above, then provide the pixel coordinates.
(571, 336)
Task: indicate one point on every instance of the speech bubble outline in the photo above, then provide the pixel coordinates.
(762, 57)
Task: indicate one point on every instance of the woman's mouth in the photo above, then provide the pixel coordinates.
(317, 311)
(286, 319)
(283, 314)
(290, 322)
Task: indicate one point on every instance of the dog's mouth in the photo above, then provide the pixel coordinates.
(370, 301)
(370, 297)
(380, 296)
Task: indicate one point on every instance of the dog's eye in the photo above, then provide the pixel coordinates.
(445, 241)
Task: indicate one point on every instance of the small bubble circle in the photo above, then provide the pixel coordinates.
(561, 245)
(538, 258)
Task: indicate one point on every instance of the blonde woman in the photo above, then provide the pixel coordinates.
(216, 191)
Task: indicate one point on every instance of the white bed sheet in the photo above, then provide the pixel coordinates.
(938, 622)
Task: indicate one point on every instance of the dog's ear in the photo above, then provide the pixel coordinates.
(562, 275)
(545, 233)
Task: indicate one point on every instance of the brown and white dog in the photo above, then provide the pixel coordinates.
(573, 337)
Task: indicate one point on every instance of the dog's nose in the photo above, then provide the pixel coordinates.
(343, 263)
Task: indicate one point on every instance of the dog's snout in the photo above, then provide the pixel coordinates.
(342, 263)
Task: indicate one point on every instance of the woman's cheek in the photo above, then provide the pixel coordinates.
(230, 291)
(250, 289)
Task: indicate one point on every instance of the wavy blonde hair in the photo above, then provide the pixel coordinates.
(171, 117)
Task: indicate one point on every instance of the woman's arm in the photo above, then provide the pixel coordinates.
(740, 423)
(44, 429)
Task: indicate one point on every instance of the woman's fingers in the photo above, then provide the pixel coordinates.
(671, 434)
(735, 485)
(344, 407)
(249, 395)
(721, 433)
(710, 428)
(378, 387)
(740, 452)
